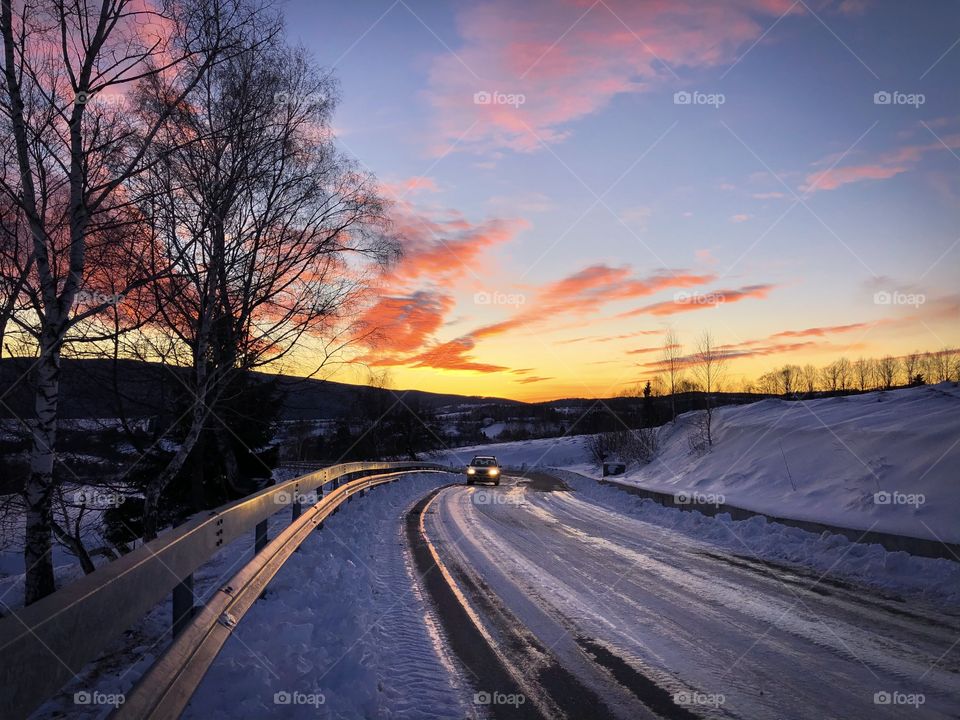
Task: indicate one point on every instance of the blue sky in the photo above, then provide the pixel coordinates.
(781, 204)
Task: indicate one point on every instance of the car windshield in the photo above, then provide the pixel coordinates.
(484, 462)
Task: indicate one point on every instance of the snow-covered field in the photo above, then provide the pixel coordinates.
(884, 461)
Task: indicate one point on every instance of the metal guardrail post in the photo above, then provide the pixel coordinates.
(183, 605)
(260, 536)
(296, 508)
(320, 497)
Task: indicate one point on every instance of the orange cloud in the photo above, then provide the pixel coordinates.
(587, 291)
(447, 250)
(821, 331)
(645, 351)
(533, 379)
(402, 324)
(453, 355)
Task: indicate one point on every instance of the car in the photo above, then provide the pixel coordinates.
(483, 467)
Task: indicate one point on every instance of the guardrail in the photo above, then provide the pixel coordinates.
(165, 690)
(46, 644)
(303, 465)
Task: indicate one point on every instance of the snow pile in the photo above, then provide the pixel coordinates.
(883, 461)
(342, 631)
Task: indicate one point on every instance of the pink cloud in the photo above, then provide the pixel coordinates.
(738, 351)
(886, 166)
(568, 59)
(701, 302)
(409, 186)
(446, 249)
(832, 179)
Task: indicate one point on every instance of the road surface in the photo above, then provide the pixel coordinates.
(559, 607)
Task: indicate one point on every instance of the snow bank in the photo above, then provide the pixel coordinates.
(883, 461)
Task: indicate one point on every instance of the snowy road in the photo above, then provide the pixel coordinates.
(588, 608)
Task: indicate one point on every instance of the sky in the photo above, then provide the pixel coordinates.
(572, 178)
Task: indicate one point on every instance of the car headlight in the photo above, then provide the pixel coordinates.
(470, 471)
(494, 471)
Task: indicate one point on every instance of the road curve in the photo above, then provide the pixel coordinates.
(586, 612)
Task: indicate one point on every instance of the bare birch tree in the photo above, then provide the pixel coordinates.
(67, 69)
(671, 360)
(709, 368)
(269, 230)
(887, 368)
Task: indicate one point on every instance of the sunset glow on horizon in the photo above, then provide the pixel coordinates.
(574, 178)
